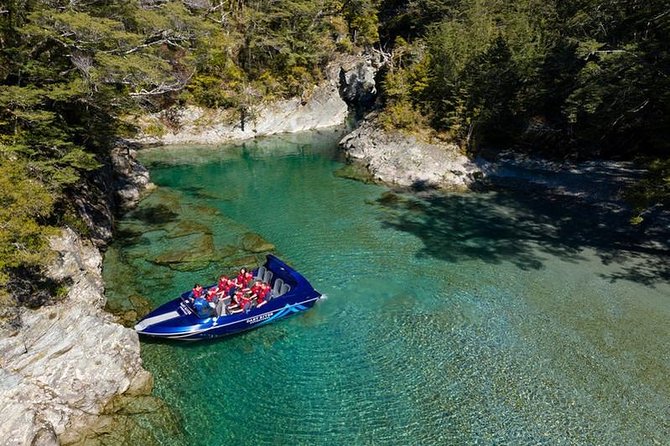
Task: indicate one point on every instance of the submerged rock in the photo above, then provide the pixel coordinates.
(124, 421)
(355, 171)
(253, 242)
(130, 310)
(193, 248)
(398, 158)
(68, 360)
(187, 227)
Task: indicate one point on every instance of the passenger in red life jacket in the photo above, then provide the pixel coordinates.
(211, 294)
(244, 278)
(256, 288)
(238, 297)
(197, 291)
(223, 286)
(262, 293)
(265, 290)
(223, 281)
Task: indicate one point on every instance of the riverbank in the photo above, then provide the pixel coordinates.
(68, 360)
(398, 158)
(349, 82)
(69, 370)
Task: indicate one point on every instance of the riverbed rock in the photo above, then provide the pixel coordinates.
(253, 242)
(187, 227)
(68, 359)
(406, 160)
(194, 248)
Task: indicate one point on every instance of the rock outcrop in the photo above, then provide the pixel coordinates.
(130, 177)
(349, 81)
(69, 359)
(115, 188)
(405, 160)
(357, 83)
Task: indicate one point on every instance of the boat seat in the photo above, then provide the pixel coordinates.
(285, 288)
(277, 286)
(260, 274)
(268, 276)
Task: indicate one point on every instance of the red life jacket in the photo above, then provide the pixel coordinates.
(197, 292)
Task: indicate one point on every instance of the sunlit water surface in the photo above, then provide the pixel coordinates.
(487, 318)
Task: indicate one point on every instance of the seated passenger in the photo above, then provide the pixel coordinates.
(223, 281)
(211, 294)
(262, 294)
(265, 290)
(256, 288)
(237, 297)
(197, 291)
(244, 277)
(232, 285)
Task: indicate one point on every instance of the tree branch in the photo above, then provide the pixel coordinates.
(163, 88)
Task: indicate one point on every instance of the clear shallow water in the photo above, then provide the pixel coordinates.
(489, 318)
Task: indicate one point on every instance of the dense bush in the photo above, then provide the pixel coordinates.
(592, 75)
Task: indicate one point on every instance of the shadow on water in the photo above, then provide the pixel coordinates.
(522, 226)
(249, 337)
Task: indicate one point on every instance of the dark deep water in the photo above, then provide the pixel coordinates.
(508, 317)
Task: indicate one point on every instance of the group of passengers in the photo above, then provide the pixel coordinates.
(232, 294)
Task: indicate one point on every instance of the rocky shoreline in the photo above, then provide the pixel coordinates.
(401, 159)
(65, 365)
(69, 359)
(349, 82)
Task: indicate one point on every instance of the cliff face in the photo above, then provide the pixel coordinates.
(349, 83)
(69, 359)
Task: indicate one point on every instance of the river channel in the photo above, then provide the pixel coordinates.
(496, 317)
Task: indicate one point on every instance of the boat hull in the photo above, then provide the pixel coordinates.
(177, 319)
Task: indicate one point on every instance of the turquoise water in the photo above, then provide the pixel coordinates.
(490, 318)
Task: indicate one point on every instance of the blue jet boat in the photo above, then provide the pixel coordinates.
(179, 319)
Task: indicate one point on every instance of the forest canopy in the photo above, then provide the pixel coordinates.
(590, 77)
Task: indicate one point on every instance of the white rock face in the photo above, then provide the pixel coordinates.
(67, 360)
(324, 108)
(397, 158)
(351, 77)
